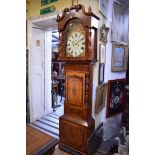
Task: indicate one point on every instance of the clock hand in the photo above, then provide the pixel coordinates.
(79, 41)
(73, 43)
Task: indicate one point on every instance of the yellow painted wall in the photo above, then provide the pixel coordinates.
(35, 6)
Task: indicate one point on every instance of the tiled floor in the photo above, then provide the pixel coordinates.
(59, 111)
(50, 123)
(59, 152)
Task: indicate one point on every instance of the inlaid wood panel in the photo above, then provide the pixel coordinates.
(75, 88)
(74, 112)
(72, 134)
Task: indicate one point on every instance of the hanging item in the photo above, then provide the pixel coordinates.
(44, 2)
(103, 7)
(101, 92)
(120, 23)
(47, 10)
(101, 73)
(104, 33)
(102, 53)
(119, 57)
(115, 97)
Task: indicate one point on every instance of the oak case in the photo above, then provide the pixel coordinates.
(77, 125)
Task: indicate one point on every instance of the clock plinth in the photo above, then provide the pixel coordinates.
(78, 48)
(75, 134)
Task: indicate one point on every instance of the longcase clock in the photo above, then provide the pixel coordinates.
(78, 48)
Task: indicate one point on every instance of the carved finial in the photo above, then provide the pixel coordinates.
(58, 17)
(89, 9)
(73, 2)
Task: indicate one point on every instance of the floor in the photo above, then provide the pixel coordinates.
(50, 122)
(50, 125)
(59, 152)
(59, 111)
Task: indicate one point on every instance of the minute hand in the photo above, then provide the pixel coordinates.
(78, 41)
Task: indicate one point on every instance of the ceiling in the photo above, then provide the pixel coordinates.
(51, 24)
(46, 23)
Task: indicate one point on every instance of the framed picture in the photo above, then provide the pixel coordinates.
(103, 7)
(115, 97)
(120, 23)
(101, 93)
(101, 73)
(119, 57)
(104, 33)
(102, 53)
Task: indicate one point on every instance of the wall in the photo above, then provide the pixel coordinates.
(108, 75)
(34, 6)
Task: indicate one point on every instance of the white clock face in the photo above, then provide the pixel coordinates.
(75, 44)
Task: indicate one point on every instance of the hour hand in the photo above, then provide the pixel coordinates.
(73, 43)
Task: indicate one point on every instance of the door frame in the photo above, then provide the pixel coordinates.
(30, 22)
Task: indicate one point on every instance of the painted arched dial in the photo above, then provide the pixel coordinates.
(75, 43)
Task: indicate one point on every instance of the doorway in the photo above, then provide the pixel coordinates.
(38, 72)
(40, 34)
(46, 101)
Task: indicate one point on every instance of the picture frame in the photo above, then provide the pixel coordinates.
(101, 73)
(104, 33)
(119, 58)
(102, 53)
(120, 23)
(103, 7)
(101, 93)
(115, 97)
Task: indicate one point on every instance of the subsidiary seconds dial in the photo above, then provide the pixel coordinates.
(75, 44)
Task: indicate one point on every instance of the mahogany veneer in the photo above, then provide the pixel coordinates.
(77, 125)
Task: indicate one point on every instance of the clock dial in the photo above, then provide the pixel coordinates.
(76, 44)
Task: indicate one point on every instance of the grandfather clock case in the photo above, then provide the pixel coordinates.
(78, 49)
